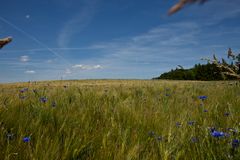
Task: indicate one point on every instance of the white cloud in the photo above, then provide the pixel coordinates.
(30, 72)
(97, 67)
(27, 16)
(87, 67)
(24, 58)
(77, 66)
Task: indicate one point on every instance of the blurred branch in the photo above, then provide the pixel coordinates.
(5, 41)
(181, 4)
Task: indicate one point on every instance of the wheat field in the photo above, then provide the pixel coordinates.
(120, 119)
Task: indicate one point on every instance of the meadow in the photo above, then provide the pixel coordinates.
(120, 119)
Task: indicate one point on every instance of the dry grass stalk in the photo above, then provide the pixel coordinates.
(228, 70)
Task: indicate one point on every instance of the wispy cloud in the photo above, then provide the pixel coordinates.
(77, 23)
(87, 67)
(29, 72)
(49, 61)
(159, 49)
(24, 58)
(162, 43)
(143, 55)
(213, 12)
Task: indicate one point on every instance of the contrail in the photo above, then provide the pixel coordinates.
(42, 49)
(34, 39)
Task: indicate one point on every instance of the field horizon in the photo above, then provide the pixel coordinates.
(112, 79)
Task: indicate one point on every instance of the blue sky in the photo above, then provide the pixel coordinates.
(94, 39)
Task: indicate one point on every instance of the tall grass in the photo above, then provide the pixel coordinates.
(119, 119)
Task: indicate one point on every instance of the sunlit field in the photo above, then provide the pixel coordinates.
(120, 119)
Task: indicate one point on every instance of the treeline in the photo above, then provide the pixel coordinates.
(204, 72)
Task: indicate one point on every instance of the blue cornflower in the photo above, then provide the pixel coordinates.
(226, 114)
(191, 123)
(235, 143)
(202, 97)
(26, 139)
(217, 134)
(24, 90)
(205, 110)
(43, 99)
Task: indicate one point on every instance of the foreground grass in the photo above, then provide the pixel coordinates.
(119, 120)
